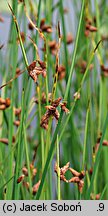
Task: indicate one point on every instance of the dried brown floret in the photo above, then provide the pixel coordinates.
(17, 123)
(88, 20)
(47, 28)
(104, 37)
(34, 71)
(44, 27)
(56, 102)
(42, 22)
(63, 107)
(36, 187)
(56, 115)
(43, 98)
(53, 47)
(6, 141)
(83, 65)
(51, 111)
(63, 170)
(34, 171)
(25, 171)
(2, 107)
(61, 72)
(96, 147)
(69, 38)
(77, 176)
(91, 171)
(104, 70)
(89, 27)
(26, 185)
(18, 71)
(80, 186)
(105, 143)
(97, 197)
(76, 95)
(7, 102)
(44, 121)
(74, 180)
(30, 26)
(20, 179)
(65, 10)
(4, 103)
(87, 33)
(17, 111)
(52, 44)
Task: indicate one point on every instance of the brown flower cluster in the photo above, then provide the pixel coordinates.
(4, 103)
(6, 141)
(17, 112)
(61, 72)
(63, 107)
(104, 70)
(89, 27)
(76, 95)
(96, 147)
(44, 27)
(62, 171)
(26, 183)
(82, 64)
(18, 71)
(52, 112)
(53, 46)
(34, 71)
(69, 39)
(30, 26)
(77, 176)
(95, 197)
(43, 98)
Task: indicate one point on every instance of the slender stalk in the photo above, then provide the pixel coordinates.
(64, 36)
(58, 178)
(19, 154)
(11, 130)
(28, 161)
(75, 51)
(97, 158)
(85, 138)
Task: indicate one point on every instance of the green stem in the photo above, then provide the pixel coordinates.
(58, 177)
(97, 158)
(75, 51)
(85, 138)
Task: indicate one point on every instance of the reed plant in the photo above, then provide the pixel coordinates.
(53, 101)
